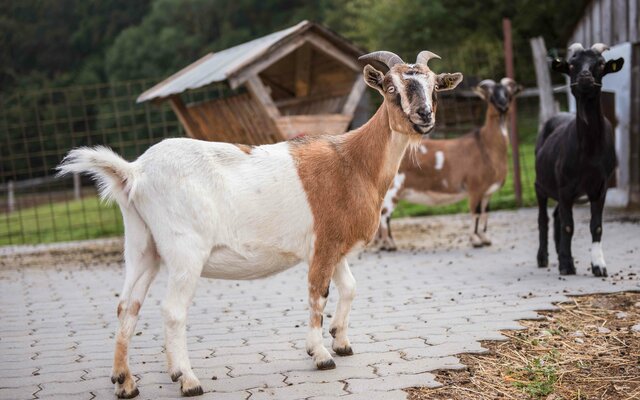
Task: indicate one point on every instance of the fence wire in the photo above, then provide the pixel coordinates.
(38, 127)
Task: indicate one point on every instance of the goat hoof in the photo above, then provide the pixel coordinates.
(328, 364)
(194, 391)
(122, 394)
(568, 270)
(344, 351)
(175, 376)
(599, 271)
(543, 261)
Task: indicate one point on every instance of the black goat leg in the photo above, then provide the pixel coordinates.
(565, 259)
(543, 230)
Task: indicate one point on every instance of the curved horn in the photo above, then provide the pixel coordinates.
(487, 83)
(573, 49)
(507, 82)
(599, 47)
(386, 57)
(425, 56)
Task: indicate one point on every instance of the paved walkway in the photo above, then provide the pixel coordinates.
(415, 309)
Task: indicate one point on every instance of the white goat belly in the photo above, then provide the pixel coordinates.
(430, 198)
(225, 263)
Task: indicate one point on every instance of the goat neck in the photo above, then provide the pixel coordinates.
(494, 129)
(589, 122)
(375, 150)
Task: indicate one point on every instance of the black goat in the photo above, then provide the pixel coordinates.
(575, 156)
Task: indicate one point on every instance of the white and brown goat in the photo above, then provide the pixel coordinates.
(447, 171)
(228, 211)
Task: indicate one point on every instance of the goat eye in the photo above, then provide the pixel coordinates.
(391, 89)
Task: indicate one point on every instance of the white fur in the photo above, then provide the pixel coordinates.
(396, 185)
(231, 218)
(493, 188)
(404, 102)
(427, 83)
(597, 257)
(423, 149)
(439, 160)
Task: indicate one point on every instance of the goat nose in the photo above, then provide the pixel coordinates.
(424, 113)
(584, 73)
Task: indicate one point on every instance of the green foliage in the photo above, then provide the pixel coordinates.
(538, 377)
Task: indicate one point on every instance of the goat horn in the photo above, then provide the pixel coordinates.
(507, 82)
(573, 49)
(386, 57)
(599, 47)
(487, 82)
(425, 56)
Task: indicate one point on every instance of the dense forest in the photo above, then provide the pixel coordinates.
(68, 42)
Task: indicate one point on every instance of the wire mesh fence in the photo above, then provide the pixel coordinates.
(38, 127)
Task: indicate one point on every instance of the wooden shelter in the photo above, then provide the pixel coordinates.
(303, 80)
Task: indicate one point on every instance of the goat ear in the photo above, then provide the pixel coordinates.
(613, 66)
(373, 77)
(480, 92)
(447, 81)
(559, 65)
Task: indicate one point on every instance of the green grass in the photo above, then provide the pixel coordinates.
(538, 377)
(75, 220)
(503, 199)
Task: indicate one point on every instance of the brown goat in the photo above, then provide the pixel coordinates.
(446, 171)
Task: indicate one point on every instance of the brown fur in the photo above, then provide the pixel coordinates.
(345, 178)
(135, 308)
(244, 147)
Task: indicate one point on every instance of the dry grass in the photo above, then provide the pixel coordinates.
(586, 350)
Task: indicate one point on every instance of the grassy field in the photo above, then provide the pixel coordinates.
(89, 218)
(58, 222)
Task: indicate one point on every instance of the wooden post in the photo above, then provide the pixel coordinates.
(354, 96)
(11, 197)
(262, 97)
(76, 187)
(508, 60)
(548, 107)
(182, 113)
(303, 71)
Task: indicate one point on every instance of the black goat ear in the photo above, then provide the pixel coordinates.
(560, 65)
(613, 66)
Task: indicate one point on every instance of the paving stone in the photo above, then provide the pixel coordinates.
(382, 395)
(301, 391)
(391, 383)
(414, 311)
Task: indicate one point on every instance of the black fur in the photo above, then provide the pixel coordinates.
(575, 155)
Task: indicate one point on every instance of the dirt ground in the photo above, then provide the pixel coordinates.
(589, 349)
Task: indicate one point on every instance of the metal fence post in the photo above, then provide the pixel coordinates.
(11, 197)
(508, 60)
(76, 186)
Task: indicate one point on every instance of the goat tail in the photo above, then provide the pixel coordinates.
(115, 177)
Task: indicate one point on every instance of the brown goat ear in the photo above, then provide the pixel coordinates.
(613, 66)
(560, 65)
(373, 78)
(447, 81)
